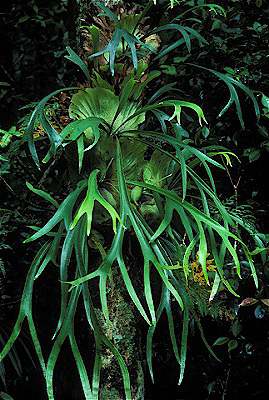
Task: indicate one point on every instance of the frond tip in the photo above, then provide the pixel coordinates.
(87, 205)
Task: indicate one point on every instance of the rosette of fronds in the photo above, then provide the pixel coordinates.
(165, 180)
(144, 182)
(104, 104)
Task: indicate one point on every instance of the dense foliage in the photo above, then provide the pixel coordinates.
(141, 162)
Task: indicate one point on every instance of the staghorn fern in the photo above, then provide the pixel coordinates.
(71, 238)
(131, 173)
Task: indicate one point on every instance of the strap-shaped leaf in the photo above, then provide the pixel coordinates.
(126, 92)
(177, 104)
(232, 83)
(212, 7)
(43, 194)
(185, 31)
(54, 136)
(64, 213)
(185, 168)
(74, 131)
(108, 13)
(87, 205)
(199, 217)
(78, 61)
(162, 117)
(66, 253)
(153, 254)
(119, 35)
(53, 251)
(169, 88)
(26, 309)
(202, 252)
(67, 330)
(164, 304)
(75, 128)
(139, 87)
(170, 207)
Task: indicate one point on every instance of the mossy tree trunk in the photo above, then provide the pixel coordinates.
(124, 330)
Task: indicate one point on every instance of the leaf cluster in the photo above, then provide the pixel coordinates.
(138, 173)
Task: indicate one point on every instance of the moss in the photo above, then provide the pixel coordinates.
(109, 394)
(122, 332)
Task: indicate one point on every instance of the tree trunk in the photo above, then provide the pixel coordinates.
(124, 331)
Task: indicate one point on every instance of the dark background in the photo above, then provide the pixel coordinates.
(33, 36)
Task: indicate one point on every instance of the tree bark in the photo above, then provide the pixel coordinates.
(124, 332)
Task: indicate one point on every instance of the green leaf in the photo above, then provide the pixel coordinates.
(2, 267)
(64, 212)
(8, 135)
(108, 13)
(90, 126)
(260, 244)
(94, 102)
(103, 104)
(216, 24)
(258, 250)
(5, 396)
(168, 69)
(197, 320)
(212, 7)
(232, 344)
(200, 217)
(177, 104)
(215, 287)
(23, 19)
(236, 328)
(252, 153)
(54, 137)
(43, 194)
(265, 101)
(130, 21)
(26, 310)
(119, 35)
(192, 151)
(221, 340)
(232, 83)
(202, 252)
(126, 92)
(168, 284)
(101, 82)
(52, 252)
(185, 31)
(78, 61)
(156, 169)
(184, 337)
(87, 205)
